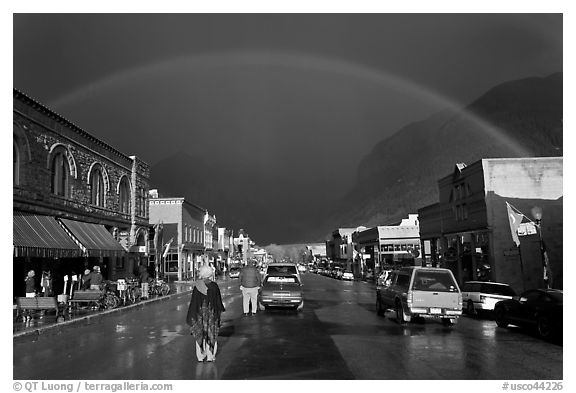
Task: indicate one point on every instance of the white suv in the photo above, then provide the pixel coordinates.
(481, 296)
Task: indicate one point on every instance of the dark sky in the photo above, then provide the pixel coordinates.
(301, 96)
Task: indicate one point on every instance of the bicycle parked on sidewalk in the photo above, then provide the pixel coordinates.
(110, 299)
(129, 291)
(158, 287)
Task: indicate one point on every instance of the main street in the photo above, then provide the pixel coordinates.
(337, 335)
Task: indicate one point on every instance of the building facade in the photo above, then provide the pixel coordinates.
(469, 230)
(339, 248)
(225, 247)
(179, 236)
(386, 246)
(66, 182)
(242, 246)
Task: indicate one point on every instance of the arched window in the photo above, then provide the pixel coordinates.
(124, 196)
(15, 163)
(60, 175)
(97, 189)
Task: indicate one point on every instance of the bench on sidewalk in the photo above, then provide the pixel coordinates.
(87, 296)
(27, 304)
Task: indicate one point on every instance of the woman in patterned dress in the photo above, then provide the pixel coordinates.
(204, 315)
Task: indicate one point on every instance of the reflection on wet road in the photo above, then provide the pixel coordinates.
(337, 335)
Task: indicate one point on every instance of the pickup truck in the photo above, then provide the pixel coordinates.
(420, 292)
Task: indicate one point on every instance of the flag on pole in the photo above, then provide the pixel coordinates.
(167, 247)
(515, 221)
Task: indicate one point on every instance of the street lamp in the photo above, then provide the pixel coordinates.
(537, 214)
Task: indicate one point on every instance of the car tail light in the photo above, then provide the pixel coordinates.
(482, 298)
(460, 302)
(409, 299)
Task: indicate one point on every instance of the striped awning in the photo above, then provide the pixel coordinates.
(95, 239)
(41, 236)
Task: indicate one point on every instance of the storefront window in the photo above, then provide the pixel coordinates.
(481, 252)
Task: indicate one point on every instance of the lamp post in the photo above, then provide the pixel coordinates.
(537, 214)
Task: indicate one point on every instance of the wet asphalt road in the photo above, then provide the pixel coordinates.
(337, 335)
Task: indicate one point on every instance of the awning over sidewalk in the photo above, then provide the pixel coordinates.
(42, 237)
(97, 241)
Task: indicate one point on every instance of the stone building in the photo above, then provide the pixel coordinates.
(469, 232)
(69, 185)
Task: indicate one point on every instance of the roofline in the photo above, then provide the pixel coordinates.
(37, 105)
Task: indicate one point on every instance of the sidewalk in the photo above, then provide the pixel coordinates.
(47, 323)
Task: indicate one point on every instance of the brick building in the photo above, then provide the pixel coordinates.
(69, 185)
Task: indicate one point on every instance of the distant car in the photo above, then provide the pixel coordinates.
(347, 275)
(420, 292)
(481, 296)
(337, 272)
(281, 290)
(539, 309)
(234, 272)
(302, 268)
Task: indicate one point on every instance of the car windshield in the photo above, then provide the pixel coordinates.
(281, 280)
(281, 269)
(434, 281)
(495, 289)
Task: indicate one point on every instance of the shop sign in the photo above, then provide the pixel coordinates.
(140, 249)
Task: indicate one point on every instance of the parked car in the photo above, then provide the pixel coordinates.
(337, 272)
(234, 272)
(420, 292)
(539, 309)
(481, 296)
(347, 275)
(281, 290)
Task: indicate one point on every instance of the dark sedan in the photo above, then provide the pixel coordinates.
(283, 290)
(539, 309)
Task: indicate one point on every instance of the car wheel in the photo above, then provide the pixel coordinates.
(400, 313)
(379, 309)
(543, 326)
(500, 317)
(470, 310)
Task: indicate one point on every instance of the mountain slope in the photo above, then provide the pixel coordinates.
(514, 119)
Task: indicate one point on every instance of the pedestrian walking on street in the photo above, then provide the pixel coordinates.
(250, 281)
(204, 314)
